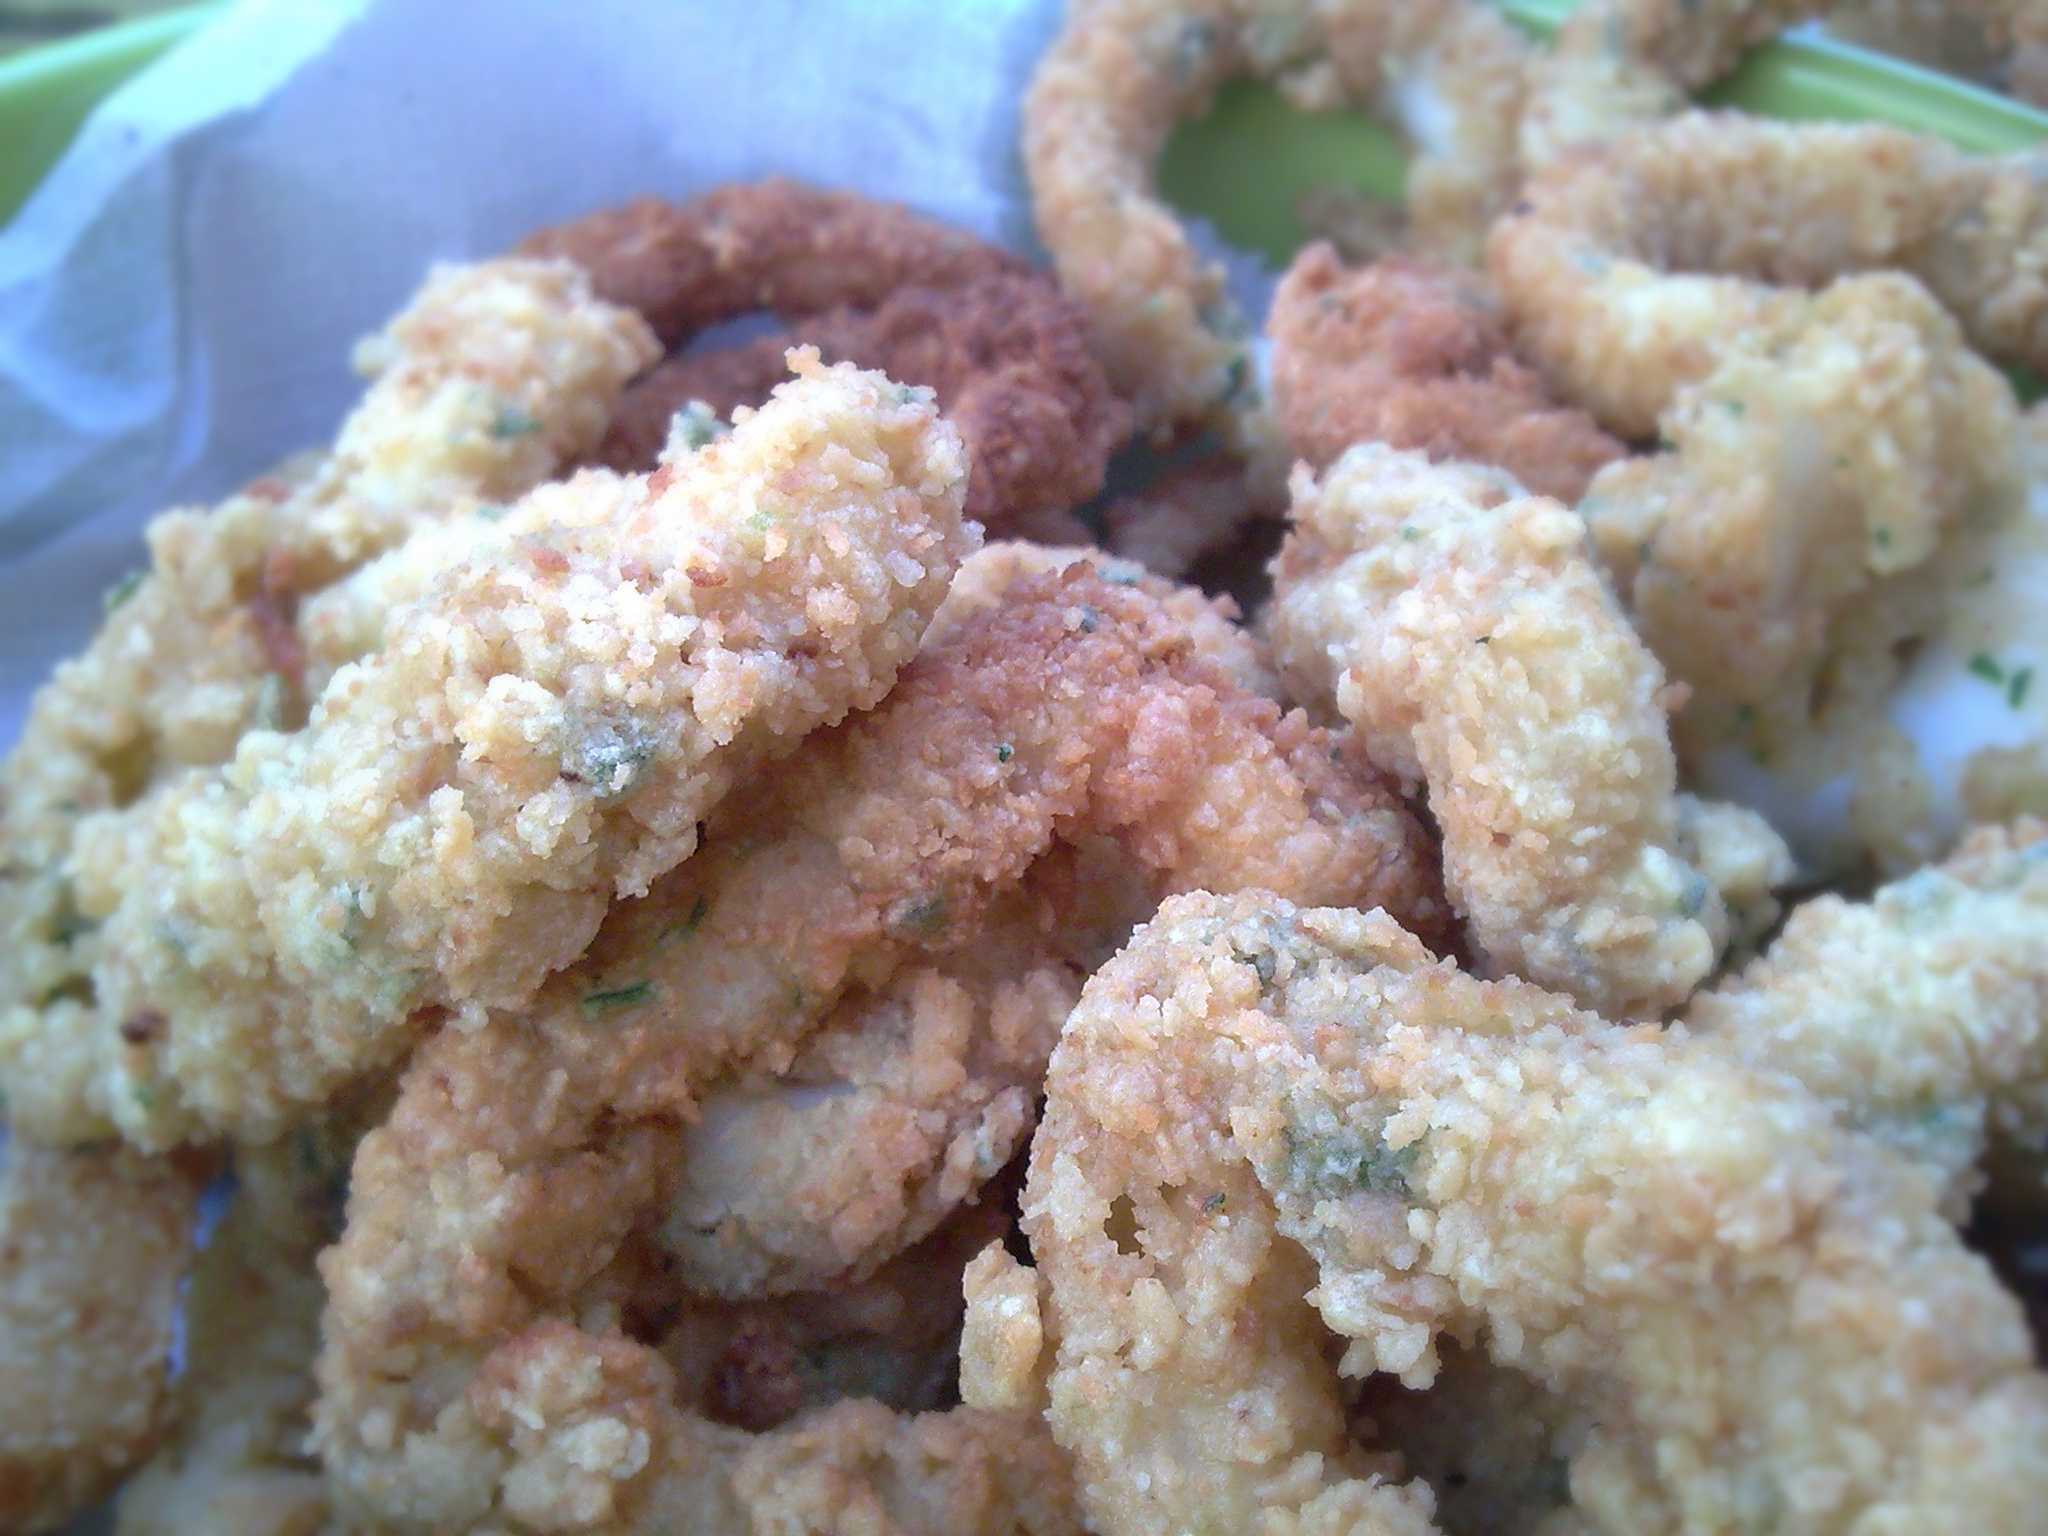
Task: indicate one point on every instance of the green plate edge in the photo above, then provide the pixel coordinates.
(47, 93)
(1243, 166)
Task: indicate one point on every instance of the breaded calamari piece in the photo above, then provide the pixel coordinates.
(1125, 72)
(237, 1463)
(494, 376)
(539, 732)
(1268, 1125)
(1462, 627)
(1212, 623)
(494, 1339)
(93, 1244)
(1416, 356)
(1919, 1014)
(1789, 547)
(1639, 265)
(1006, 354)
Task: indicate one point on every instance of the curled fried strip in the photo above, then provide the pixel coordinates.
(1918, 1014)
(1639, 265)
(1462, 627)
(547, 727)
(1264, 1122)
(1416, 357)
(1006, 355)
(1124, 72)
(93, 1244)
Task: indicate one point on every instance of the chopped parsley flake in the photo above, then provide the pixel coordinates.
(619, 997)
(512, 419)
(1004, 752)
(1983, 666)
(121, 591)
(2016, 690)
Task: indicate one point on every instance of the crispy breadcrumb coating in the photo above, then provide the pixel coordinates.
(1125, 72)
(93, 1243)
(547, 727)
(1268, 1125)
(1461, 625)
(1415, 356)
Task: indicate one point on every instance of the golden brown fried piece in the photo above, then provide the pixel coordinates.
(547, 727)
(870, 283)
(494, 1342)
(93, 1244)
(1006, 355)
(1124, 72)
(1416, 357)
(774, 245)
(1266, 1126)
(1462, 626)
(493, 377)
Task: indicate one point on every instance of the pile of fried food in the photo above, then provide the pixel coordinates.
(729, 1003)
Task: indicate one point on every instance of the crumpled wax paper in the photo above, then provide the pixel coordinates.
(178, 301)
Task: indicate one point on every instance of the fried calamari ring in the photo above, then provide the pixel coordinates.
(1462, 626)
(1919, 1014)
(1638, 266)
(1416, 357)
(1124, 72)
(494, 377)
(544, 729)
(1006, 354)
(93, 1244)
(1264, 1122)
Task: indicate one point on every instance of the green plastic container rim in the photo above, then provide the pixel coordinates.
(47, 93)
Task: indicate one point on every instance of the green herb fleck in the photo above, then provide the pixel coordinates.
(927, 916)
(1734, 408)
(1347, 1163)
(1693, 899)
(1409, 532)
(695, 425)
(1983, 666)
(1235, 378)
(491, 514)
(121, 591)
(761, 521)
(1004, 752)
(1981, 579)
(145, 1096)
(1881, 537)
(1214, 1203)
(1090, 620)
(688, 925)
(511, 419)
(1262, 963)
(2016, 690)
(618, 997)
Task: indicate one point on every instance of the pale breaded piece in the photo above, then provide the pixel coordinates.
(1462, 626)
(93, 1245)
(546, 728)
